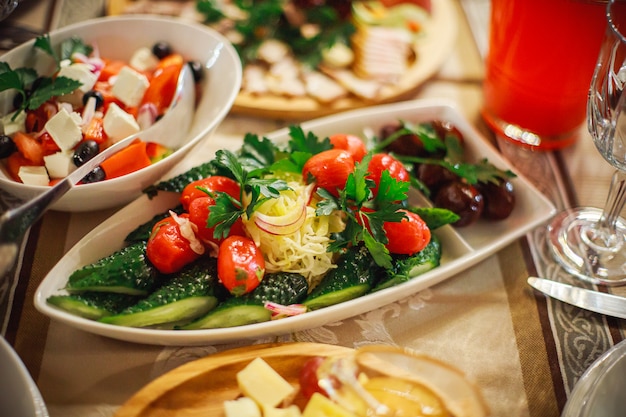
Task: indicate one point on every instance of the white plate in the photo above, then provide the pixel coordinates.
(600, 390)
(19, 395)
(461, 249)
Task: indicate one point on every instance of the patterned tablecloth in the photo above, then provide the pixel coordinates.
(525, 352)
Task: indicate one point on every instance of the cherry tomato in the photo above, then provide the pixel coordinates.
(408, 236)
(329, 169)
(384, 162)
(240, 265)
(213, 183)
(199, 210)
(350, 143)
(308, 377)
(167, 249)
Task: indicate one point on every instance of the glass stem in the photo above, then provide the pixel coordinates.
(614, 202)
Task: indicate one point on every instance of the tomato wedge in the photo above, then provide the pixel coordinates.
(128, 160)
(162, 87)
(29, 147)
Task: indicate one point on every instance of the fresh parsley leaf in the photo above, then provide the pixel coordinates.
(425, 133)
(258, 152)
(361, 208)
(67, 48)
(48, 88)
(227, 210)
(293, 162)
(306, 142)
(43, 42)
(74, 45)
(391, 190)
(23, 79)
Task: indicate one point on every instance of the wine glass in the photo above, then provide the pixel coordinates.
(7, 7)
(588, 242)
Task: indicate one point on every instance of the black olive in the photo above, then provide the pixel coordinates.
(197, 70)
(85, 151)
(499, 199)
(161, 49)
(95, 94)
(7, 146)
(96, 175)
(18, 99)
(404, 145)
(463, 199)
(434, 176)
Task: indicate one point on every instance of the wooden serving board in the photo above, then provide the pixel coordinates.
(431, 50)
(199, 388)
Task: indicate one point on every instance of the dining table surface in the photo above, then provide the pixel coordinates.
(524, 351)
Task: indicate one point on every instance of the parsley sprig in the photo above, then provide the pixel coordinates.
(35, 90)
(362, 207)
(265, 19)
(453, 159)
(251, 168)
(227, 210)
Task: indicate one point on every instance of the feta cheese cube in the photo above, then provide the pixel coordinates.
(144, 60)
(259, 381)
(119, 124)
(10, 126)
(130, 86)
(64, 128)
(81, 73)
(59, 164)
(241, 407)
(33, 175)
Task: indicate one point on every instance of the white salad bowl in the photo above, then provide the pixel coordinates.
(118, 38)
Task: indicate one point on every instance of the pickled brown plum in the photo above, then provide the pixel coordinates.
(463, 199)
(499, 199)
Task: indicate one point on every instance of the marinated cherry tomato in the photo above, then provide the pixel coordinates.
(329, 169)
(350, 143)
(384, 162)
(408, 236)
(213, 183)
(199, 210)
(167, 249)
(240, 265)
(308, 377)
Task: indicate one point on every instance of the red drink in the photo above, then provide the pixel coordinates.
(542, 54)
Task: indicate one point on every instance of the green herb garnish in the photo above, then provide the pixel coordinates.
(35, 90)
(266, 19)
(362, 208)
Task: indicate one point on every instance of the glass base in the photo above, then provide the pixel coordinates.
(587, 251)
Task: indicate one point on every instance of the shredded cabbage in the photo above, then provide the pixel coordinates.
(303, 251)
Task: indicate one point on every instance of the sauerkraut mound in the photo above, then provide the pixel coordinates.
(292, 236)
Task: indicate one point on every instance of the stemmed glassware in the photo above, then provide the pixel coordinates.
(7, 7)
(588, 242)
